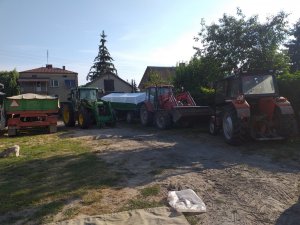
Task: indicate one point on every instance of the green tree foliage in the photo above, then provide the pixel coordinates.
(155, 79)
(294, 48)
(238, 42)
(196, 77)
(9, 80)
(102, 63)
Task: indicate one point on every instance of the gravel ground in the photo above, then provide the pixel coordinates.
(239, 185)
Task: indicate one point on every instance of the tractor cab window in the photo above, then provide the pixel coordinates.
(88, 94)
(220, 90)
(152, 94)
(234, 88)
(262, 84)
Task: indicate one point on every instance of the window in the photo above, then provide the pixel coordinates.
(54, 83)
(109, 85)
(70, 83)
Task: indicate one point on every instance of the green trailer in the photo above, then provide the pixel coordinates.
(126, 105)
(31, 110)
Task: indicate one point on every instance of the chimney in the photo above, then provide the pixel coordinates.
(64, 68)
(49, 66)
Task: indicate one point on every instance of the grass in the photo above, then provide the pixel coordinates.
(150, 191)
(50, 172)
(144, 200)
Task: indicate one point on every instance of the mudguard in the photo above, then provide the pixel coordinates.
(284, 105)
(242, 109)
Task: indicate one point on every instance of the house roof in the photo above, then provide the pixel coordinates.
(91, 82)
(49, 69)
(164, 72)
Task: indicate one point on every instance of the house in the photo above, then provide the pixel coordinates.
(48, 80)
(166, 73)
(111, 83)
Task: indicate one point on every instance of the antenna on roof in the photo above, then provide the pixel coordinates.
(47, 56)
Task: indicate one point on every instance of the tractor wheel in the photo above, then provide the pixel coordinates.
(145, 116)
(286, 124)
(84, 119)
(163, 120)
(68, 115)
(129, 117)
(213, 128)
(232, 129)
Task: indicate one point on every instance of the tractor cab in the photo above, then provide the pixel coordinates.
(249, 105)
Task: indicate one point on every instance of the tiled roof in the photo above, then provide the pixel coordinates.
(49, 69)
(164, 72)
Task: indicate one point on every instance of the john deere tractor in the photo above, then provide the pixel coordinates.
(85, 107)
(249, 105)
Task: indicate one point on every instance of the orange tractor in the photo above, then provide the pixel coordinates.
(249, 105)
(165, 109)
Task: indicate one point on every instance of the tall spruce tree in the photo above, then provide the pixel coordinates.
(102, 63)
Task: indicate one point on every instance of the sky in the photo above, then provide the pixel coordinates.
(140, 33)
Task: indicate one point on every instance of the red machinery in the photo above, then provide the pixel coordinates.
(164, 108)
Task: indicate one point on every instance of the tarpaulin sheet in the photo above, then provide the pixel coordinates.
(152, 216)
(133, 98)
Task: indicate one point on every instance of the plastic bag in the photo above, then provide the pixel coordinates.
(186, 201)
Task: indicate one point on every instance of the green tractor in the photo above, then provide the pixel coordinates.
(85, 107)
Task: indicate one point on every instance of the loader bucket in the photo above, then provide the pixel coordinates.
(190, 113)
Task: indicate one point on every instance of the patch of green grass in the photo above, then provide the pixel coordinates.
(49, 172)
(150, 191)
(69, 213)
(192, 219)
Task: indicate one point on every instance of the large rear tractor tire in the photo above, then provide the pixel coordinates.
(232, 128)
(68, 115)
(286, 124)
(84, 119)
(163, 120)
(146, 117)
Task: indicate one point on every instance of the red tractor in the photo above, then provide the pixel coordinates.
(164, 108)
(248, 105)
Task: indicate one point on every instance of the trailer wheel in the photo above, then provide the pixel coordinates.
(52, 129)
(163, 120)
(232, 129)
(129, 117)
(84, 119)
(11, 131)
(213, 128)
(68, 115)
(145, 116)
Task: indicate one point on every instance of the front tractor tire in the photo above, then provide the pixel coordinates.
(84, 119)
(213, 128)
(146, 117)
(232, 128)
(68, 115)
(163, 120)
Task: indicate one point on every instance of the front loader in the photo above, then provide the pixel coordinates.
(163, 108)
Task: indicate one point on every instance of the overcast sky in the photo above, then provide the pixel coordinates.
(140, 33)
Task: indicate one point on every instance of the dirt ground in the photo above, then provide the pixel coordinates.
(239, 185)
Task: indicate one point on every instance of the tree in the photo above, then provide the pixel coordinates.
(294, 48)
(245, 43)
(9, 80)
(155, 79)
(196, 76)
(102, 63)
